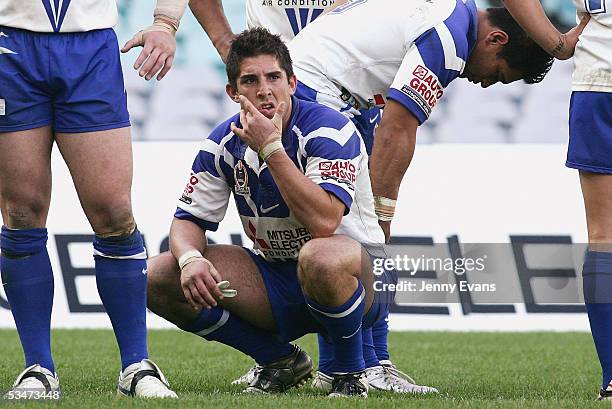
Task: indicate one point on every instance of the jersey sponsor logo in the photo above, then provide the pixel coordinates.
(342, 171)
(241, 178)
(186, 197)
(56, 11)
(424, 89)
(2, 107)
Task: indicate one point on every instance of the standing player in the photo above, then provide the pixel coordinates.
(589, 151)
(286, 21)
(299, 177)
(428, 43)
(61, 81)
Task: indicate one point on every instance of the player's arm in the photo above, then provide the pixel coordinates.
(158, 40)
(318, 210)
(530, 15)
(391, 155)
(211, 17)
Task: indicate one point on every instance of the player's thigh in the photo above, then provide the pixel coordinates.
(100, 163)
(25, 177)
(597, 193)
(235, 265)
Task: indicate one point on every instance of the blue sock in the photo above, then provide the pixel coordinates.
(369, 351)
(326, 356)
(380, 333)
(343, 324)
(326, 352)
(122, 284)
(220, 325)
(597, 284)
(28, 277)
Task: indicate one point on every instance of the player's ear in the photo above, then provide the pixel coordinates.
(232, 92)
(497, 38)
(293, 83)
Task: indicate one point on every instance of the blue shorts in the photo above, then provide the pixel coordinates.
(590, 130)
(70, 80)
(291, 313)
(365, 120)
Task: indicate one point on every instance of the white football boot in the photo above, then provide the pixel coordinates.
(388, 378)
(322, 381)
(144, 379)
(34, 382)
(247, 378)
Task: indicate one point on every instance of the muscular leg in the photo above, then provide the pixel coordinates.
(336, 278)
(244, 322)
(597, 270)
(25, 193)
(101, 167)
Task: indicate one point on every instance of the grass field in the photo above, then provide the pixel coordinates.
(471, 370)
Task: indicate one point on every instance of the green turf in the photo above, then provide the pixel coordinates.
(471, 370)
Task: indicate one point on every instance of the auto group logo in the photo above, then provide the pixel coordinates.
(186, 197)
(342, 171)
(241, 178)
(424, 89)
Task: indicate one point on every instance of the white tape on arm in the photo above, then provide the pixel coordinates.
(189, 257)
(173, 10)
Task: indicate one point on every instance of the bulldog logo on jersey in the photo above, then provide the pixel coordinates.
(241, 178)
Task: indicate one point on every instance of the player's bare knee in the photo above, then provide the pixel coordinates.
(113, 224)
(25, 215)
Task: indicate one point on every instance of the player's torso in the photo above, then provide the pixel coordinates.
(284, 17)
(593, 57)
(360, 45)
(58, 15)
(267, 219)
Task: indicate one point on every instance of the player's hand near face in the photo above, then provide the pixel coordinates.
(158, 49)
(199, 281)
(257, 130)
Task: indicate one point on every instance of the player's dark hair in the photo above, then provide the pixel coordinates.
(252, 43)
(521, 52)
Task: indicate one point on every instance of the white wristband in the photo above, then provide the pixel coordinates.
(384, 208)
(187, 256)
(270, 149)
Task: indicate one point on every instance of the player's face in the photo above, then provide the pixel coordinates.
(265, 84)
(485, 66)
(490, 70)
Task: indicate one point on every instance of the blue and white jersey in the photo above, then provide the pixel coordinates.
(366, 51)
(284, 17)
(322, 143)
(593, 56)
(55, 16)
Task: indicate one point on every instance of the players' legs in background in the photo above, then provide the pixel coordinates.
(25, 193)
(244, 322)
(336, 279)
(101, 167)
(597, 269)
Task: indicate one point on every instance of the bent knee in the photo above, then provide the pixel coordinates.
(109, 221)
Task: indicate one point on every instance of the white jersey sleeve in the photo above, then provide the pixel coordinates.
(593, 56)
(54, 16)
(206, 196)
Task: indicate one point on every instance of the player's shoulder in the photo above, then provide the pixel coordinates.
(313, 116)
(222, 133)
